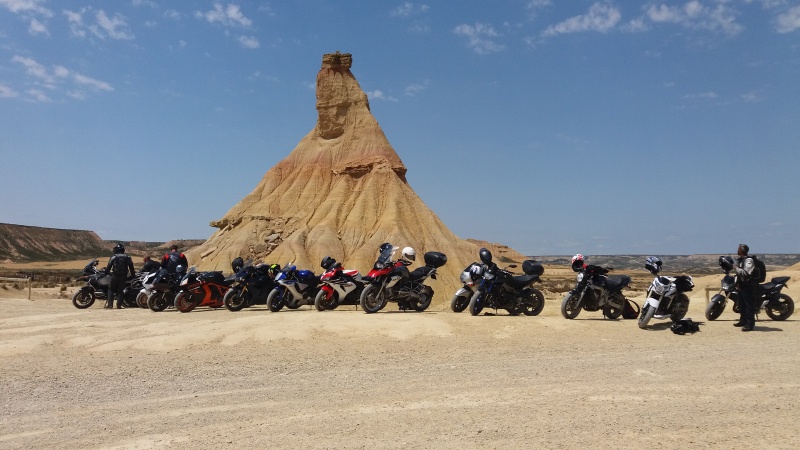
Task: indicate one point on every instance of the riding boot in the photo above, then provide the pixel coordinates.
(108, 305)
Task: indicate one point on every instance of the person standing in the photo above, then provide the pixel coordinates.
(747, 286)
(173, 259)
(118, 266)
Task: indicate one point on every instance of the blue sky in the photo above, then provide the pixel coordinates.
(555, 127)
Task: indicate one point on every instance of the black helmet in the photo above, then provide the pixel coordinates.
(653, 265)
(237, 264)
(486, 256)
(385, 246)
(119, 248)
(726, 262)
(327, 263)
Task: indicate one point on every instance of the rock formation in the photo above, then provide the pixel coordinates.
(341, 192)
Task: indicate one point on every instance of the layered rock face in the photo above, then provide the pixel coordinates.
(341, 192)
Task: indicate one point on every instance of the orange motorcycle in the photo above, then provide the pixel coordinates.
(202, 289)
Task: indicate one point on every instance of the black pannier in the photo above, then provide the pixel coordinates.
(531, 267)
(435, 259)
(212, 277)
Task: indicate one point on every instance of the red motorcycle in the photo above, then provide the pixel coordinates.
(202, 289)
(391, 281)
(339, 286)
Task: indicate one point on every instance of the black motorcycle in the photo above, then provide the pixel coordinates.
(501, 289)
(778, 306)
(97, 283)
(251, 286)
(165, 286)
(595, 291)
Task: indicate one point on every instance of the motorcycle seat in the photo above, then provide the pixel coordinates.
(521, 281)
(419, 273)
(780, 280)
(617, 282)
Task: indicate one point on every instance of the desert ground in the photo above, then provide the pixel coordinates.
(135, 379)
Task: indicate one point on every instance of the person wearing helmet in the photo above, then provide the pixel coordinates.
(118, 266)
(747, 286)
(174, 259)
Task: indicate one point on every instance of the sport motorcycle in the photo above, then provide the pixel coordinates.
(293, 288)
(201, 289)
(501, 289)
(777, 305)
(470, 278)
(251, 286)
(666, 297)
(338, 286)
(390, 281)
(595, 291)
(163, 288)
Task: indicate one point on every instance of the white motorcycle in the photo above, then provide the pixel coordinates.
(666, 298)
(470, 278)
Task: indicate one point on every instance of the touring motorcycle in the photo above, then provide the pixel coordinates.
(778, 306)
(501, 289)
(251, 286)
(293, 289)
(470, 277)
(666, 297)
(97, 283)
(392, 281)
(201, 289)
(595, 291)
(338, 286)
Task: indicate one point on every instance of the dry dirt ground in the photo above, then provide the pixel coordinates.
(135, 379)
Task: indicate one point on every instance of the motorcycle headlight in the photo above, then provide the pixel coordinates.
(580, 277)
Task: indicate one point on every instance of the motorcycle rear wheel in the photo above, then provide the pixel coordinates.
(459, 303)
(234, 300)
(423, 302)
(647, 314)
(371, 300)
(158, 301)
(715, 307)
(782, 310)
(275, 300)
(184, 303)
(534, 305)
(83, 299)
(141, 300)
(681, 308)
(476, 303)
(570, 306)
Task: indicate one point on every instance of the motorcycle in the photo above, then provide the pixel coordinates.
(163, 288)
(201, 289)
(251, 286)
(501, 289)
(97, 283)
(338, 286)
(666, 297)
(594, 290)
(470, 277)
(294, 288)
(393, 282)
(778, 306)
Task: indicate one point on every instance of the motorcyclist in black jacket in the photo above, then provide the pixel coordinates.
(149, 265)
(747, 285)
(118, 266)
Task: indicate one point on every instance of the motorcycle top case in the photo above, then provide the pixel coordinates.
(531, 267)
(307, 277)
(435, 259)
(212, 277)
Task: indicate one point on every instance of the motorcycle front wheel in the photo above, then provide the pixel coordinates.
(476, 303)
(533, 306)
(570, 306)
(647, 313)
(184, 303)
(158, 301)
(141, 300)
(781, 308)
(234, 300)
(321, 302)
(275, 299)
(715, 307)
(83, 299)
(371, 300)
(459, 303)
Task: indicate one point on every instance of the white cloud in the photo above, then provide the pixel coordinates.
(38, 95)
(789, 21)
(149, 3)
(249, 41)
(695, 15)
(75, 20)
(34, 69)
(229, 16)
(87, 81)
(702, 95)
(413, 89)
(37, 27)
(752, 97)
(7, 92)
(601, 18)
(409, 9)
(26, 7)
(379, 95)
(172, 14)
(55, 78)
(480, 38)
(115, 27)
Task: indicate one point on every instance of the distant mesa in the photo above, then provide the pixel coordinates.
(341, 192)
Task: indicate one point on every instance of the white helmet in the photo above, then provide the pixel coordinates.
(409, 254)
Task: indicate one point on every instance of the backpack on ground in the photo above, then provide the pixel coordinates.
(760, 274)
(684, 326)
(630, 310)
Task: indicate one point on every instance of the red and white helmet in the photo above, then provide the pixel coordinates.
(577, 257)
(577, 262)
